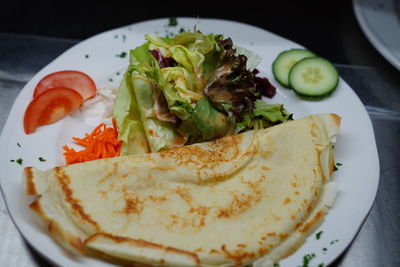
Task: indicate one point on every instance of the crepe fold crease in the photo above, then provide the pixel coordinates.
(252, 197)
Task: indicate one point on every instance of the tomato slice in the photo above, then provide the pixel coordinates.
(76, 80)
(50, 106)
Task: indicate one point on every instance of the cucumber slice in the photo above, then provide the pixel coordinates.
(313, 77)
(285, 61)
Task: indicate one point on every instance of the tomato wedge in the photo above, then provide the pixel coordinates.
(50, 106)
(73, 79)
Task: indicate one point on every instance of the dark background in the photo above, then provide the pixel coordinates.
(329, 28)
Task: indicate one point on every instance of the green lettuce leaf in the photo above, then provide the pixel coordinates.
(157, 40)
(142, 75)
(262, 116)
(205, 123)
(178, 86)
(192, 61)
(140, 56)
(134, 140)
(271, 112)
(176, 83)
(195, 41)
(182, 109)
(241, 126)
(126, 114)
(160, 134)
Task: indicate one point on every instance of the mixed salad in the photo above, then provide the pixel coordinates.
(190, 88)
(176, 91)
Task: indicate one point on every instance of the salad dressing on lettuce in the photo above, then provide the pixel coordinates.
(190, 88)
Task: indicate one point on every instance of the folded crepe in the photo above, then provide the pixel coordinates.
(252, 197)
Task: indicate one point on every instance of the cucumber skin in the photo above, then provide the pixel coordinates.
(276, 78)
(317, 96)
(314, 97)
(277, 59)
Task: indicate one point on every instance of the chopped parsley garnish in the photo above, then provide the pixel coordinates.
(276, 265)
(18, 144)
(123, 38)
(306, 259)
(334, 241)
(335, 167)
(42, 159)
(172, 22)
(318, 235)
(118, 73)
(110, 79)
(86, 56)
(321, 265)
(121, 55)
(116, 36)
(19, 161)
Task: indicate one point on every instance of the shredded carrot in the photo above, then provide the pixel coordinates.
(101, 143)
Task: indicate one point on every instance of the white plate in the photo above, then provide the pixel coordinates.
(358, 176)
(380, 22)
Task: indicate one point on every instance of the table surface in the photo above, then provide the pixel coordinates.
(377, 243)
